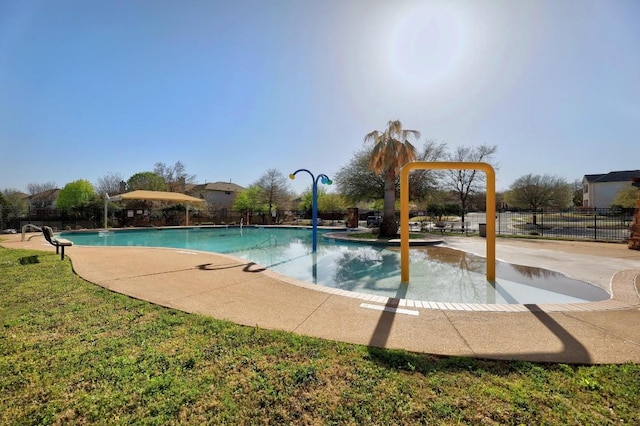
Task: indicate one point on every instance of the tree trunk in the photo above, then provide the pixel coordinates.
(463, 208)
(389, 227)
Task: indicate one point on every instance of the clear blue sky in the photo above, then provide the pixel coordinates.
(233, 88)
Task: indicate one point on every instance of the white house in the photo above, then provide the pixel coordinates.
(598, 191)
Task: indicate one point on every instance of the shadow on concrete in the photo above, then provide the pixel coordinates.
(209, 267)
(246, 267)
(383, 328)
(573, 352)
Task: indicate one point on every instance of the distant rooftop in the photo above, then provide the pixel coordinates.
(618, 176)
(218, 186)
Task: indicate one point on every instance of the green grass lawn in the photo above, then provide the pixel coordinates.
(74, 353)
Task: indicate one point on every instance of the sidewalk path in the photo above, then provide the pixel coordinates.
(233, 289)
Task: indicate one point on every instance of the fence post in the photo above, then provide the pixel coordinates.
(595, 224)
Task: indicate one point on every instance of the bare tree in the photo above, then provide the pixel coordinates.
(175, 177)
(42, 195)
(423, 183)
(111, 183)
(275, 189)
(467, 182)
(539, 191)
(36, 188)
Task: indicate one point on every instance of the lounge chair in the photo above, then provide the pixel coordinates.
(58, 242)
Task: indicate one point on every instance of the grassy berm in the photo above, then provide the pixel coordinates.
(74, 353)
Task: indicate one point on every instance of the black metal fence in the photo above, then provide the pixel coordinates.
(56, 218)
(579, 223)
(145, 216)
(584, 224)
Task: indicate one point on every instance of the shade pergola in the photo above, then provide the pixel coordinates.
(174, 197)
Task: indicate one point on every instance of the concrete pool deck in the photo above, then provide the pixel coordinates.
(234, 289)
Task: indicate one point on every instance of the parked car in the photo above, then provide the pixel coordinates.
(373, 221)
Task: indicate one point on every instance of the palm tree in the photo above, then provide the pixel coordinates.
(391, 151)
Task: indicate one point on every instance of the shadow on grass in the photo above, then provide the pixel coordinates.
(29, 260)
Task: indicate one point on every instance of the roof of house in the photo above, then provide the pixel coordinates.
(218, 186)
(619, 176)
(49, 194)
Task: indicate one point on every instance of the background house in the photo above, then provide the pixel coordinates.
(44, 200)
(598, 191)
(219, 196)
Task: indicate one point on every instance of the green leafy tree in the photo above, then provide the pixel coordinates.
(16, 202)
(391, 150)
(438, 211)
(4, 212)
(377, 205)
(150, 181)
(327, 201)
(626, 198)
(577, 190)
(75, 194)
(306, 199)
(357, 183)
(13, 204)
(250, 201)
(331, 202)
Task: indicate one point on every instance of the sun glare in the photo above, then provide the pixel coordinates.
(426, 45)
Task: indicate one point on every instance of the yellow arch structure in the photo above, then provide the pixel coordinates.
(404, 209)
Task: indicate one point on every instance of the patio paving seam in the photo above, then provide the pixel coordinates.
(602, 329)
(312, 313)
(461, 335)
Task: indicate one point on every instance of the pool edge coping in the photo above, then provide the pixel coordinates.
(624, 289)
(624, 294)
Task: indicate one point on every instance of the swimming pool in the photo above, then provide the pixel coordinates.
(438, 274)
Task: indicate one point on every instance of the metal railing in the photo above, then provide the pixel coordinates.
(579, 223)
(584, 224)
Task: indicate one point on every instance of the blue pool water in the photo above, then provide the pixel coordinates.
(438, 274)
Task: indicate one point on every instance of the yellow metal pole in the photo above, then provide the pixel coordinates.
(404, 221)
(490, 210)
(491, 222)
